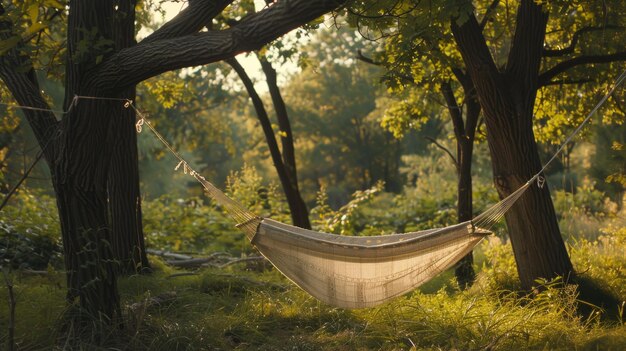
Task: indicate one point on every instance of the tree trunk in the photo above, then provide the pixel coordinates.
(286, 138)
(464, 271)
(292, 194)
(464, 132)
(80, 183)
(81, 168)
(123, 184)
(124, 196)
(507, 100)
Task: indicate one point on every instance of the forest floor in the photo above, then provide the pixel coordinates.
(254, 308)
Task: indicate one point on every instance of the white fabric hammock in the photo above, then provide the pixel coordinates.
(362, 271)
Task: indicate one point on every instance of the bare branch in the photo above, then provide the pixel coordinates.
(546, 77)
(132, 65)
(547, 52)
(568, 81)
(240, 260)
(168, 254)
(195, 262)
(456, 164)
(456, 114)
(488, 14)
(361, 57)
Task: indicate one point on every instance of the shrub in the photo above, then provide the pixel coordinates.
(30, 234)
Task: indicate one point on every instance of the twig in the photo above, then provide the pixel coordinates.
(239, 260)
(181, 274)
(168, 254)
(194, 262)
(456, 164)
(16, 186)
(33, 272)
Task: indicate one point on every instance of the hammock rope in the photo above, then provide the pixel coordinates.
(245, 219)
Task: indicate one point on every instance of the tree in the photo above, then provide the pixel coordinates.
(507, 97)
(80, 155)
(503, 57)
(284, 162)
(336, 104)
(428, 76)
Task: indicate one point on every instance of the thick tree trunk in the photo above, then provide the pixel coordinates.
(81, 168)
(507, 100)
(124, 196)
(80, 183)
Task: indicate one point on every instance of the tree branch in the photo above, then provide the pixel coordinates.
(488, 14)
(546, 77)
(17, 73)
(190, 20)
(547, 52)
(454, 109)
(135, 64)
(361, 57)
(568, 81)
(456, 163)
(524, 58)
(288, 152)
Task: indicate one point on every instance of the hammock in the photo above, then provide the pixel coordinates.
(358, 272)
(354, 271)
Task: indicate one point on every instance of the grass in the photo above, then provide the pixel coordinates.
(239, 310)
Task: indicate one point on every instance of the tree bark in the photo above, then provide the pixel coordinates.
(464, 132)
(81, 171)
(127, 239)
(286, 138)
(507, 100)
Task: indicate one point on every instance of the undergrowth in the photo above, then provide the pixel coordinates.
(235, 309)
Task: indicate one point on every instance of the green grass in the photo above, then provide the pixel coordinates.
(238, 310)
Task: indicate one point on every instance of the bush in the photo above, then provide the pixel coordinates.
(30, 235)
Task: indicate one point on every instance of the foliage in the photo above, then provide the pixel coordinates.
(583, 213)
(342, 220)
(248, 188)
(29, 232)
(336, 106)
(187, 224)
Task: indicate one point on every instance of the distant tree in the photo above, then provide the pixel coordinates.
(284, 161)
(336, 103)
